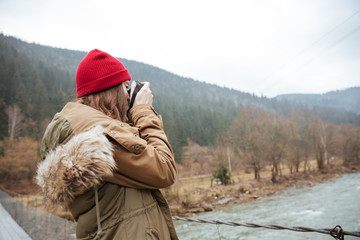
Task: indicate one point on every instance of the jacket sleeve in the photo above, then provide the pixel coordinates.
(144, 160)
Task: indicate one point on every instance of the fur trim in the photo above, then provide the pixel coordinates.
(75, 167)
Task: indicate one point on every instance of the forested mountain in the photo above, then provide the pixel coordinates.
(347, 99)
(40, 80)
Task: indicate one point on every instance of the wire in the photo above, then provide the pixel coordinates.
(328, 48)
(274, 227)
(307, 48)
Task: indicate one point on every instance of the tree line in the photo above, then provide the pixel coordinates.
(259, 138)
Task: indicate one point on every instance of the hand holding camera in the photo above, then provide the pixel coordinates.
(140, 93)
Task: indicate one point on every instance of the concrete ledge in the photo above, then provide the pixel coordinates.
(9, 229)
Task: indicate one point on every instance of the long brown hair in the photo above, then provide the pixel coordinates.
(112, 102)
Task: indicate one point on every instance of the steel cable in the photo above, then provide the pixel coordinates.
(335, 232)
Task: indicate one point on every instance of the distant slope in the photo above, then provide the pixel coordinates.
(347, 99)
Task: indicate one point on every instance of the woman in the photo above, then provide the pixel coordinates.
(107, 170)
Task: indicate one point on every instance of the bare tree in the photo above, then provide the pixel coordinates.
(15, 121)
(330, 144)
(294, 146)
(274, 129)
(350, 144)
(306, 138)
(321, 140)
(246, 135)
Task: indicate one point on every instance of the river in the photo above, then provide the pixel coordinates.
(336, 202)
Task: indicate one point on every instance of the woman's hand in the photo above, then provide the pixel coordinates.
(144, 96)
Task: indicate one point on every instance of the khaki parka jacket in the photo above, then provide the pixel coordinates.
(93, 163)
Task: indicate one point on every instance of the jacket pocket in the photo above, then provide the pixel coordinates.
(151, 234)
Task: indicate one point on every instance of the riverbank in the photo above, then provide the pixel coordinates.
(190, 196)
(191, 201)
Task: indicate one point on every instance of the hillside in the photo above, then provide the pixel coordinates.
(347, 99)
(34, 75)
(40, 80)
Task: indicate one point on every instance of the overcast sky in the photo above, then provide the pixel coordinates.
(266, 47)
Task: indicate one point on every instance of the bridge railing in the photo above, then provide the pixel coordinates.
(36, 223)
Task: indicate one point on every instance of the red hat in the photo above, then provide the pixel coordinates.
(99, 71)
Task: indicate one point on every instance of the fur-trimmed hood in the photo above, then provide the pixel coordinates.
(74, 168)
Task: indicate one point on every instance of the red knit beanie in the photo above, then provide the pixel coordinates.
(99, 71)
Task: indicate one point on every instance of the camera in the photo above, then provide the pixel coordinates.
(136, 90)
